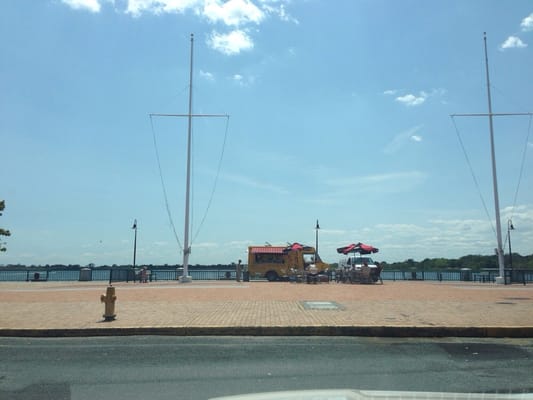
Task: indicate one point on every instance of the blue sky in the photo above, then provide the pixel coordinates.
(339, 111)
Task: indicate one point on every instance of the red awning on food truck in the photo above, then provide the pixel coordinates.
(267, 249)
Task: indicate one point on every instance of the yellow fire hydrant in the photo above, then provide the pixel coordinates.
(109, 299)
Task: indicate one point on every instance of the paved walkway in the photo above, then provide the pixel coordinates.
(401, 308)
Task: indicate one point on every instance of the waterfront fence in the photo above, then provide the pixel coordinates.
(131, 275)
(110, 275)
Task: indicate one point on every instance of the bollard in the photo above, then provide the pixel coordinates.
(109, 299)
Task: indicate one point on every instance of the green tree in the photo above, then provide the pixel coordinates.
(3, 232)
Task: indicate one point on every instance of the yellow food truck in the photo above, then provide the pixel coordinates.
(280, 262)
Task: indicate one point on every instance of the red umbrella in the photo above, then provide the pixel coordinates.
(360, 248)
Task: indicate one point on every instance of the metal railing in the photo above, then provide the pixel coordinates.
(130, 275)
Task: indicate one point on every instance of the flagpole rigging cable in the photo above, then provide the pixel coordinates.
(163, 185)
(473, 175)
(216, 180)
(171, 220)
(522, 163)
(524, 153)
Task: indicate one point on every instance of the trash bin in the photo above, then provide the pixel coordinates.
(466, 274)
(246, 276)
(85, 274)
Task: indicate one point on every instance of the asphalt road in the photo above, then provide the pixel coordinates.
(158, 367)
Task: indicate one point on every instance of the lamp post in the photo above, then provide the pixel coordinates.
(134, 227)
(510, 228)
(316, 241)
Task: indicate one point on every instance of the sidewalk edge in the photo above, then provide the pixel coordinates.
(378, 331)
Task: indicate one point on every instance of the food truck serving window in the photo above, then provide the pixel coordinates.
(268, 258)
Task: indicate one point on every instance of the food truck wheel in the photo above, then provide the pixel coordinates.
(271, 276)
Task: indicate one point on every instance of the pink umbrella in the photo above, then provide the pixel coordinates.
(360, 248)
(294, 246)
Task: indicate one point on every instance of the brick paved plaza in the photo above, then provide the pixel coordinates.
(227, 307)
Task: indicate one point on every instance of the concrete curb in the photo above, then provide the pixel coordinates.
(375, 331)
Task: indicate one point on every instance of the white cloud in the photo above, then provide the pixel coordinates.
(438, 92)
(88, 5)
(452, 237)
(242, 80)
(412, 100)
(341, 186)
(394, 176)
(512, 42)
(402, 138)
(238, 14)
(230, 13)
(238, 244)
(208, 76)
(389, 182)
(253, 183)
(137, 7)
(207, 245)
(230, 43)
(233, 12)
(527, 23)
(279, 11)
(438, 237)
(522, 216)
(333, 232)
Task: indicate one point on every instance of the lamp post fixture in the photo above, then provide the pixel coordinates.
(134, 227)
(316, 241)
(510, 228)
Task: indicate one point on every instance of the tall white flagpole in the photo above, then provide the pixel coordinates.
(186, 247)
(499, 249)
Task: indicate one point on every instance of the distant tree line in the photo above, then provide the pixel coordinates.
(475, 262)
(3, 232)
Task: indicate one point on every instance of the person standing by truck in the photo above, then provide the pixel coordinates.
(144, 275)
(238, 271)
